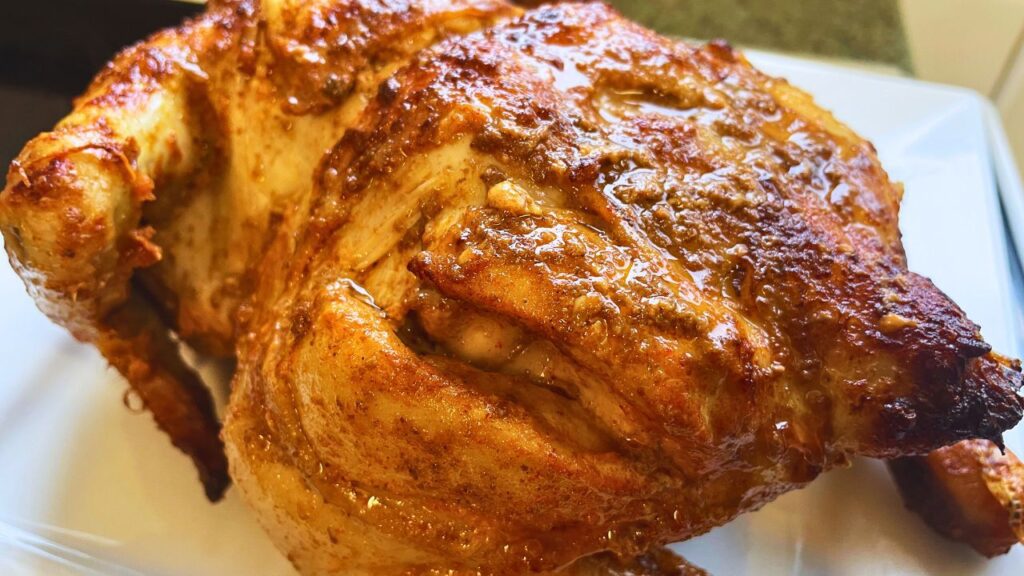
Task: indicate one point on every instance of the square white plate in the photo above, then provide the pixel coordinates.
(88, 487)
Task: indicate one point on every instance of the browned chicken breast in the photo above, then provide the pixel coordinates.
(506, 289)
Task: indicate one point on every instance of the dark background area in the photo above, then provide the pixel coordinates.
(50, 49)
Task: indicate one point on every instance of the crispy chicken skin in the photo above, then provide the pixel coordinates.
(160, 191)
(506, 289)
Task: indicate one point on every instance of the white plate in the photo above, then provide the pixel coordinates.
(88, 487)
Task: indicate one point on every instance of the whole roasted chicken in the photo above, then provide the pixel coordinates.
(506, 289)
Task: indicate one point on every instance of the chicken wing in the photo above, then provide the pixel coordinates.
(971, 492)
(178, 164)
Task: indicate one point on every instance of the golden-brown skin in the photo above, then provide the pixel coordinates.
(506, 290)
(176, 167)
(971, 492)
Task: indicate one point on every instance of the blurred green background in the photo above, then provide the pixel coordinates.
(848, 29)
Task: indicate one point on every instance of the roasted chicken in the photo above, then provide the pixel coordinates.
(505, 289)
